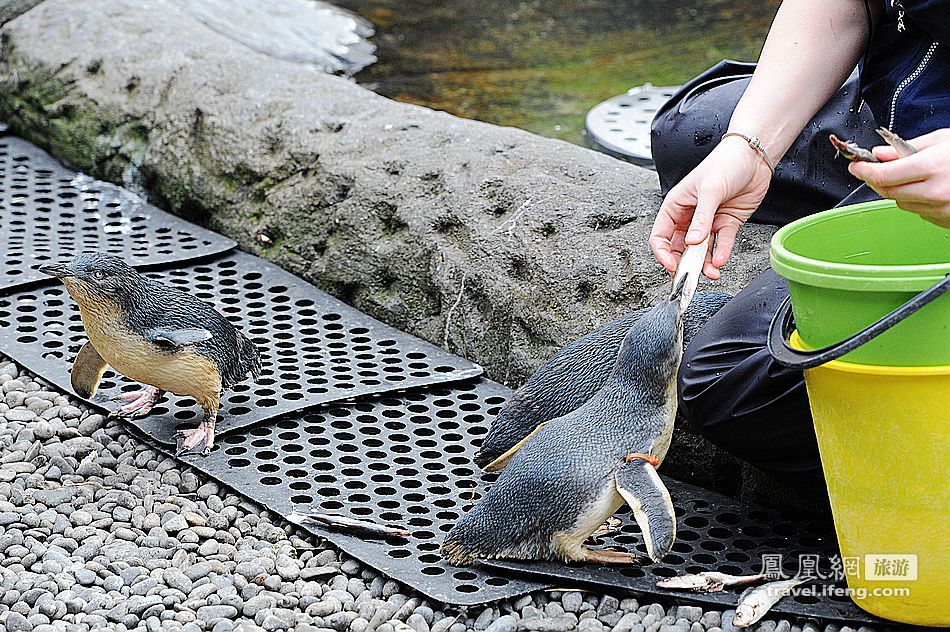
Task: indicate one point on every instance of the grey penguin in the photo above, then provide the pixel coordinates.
(572, 376)
(154, 334)
(573, 472)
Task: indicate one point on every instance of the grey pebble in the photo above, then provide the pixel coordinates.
(506, 623)
(572, 601)
(16, 622)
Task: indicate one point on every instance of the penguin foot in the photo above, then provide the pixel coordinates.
(609, 556)
(204, 433)
(140, 403)
(611, 526)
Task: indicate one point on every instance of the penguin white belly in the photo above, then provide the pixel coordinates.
(570, 544)
(662, 443)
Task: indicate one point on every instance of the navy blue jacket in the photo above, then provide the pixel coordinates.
(905, 78)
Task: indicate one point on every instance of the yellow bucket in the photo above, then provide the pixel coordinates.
(884, 437)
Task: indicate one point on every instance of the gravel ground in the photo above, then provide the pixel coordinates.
(97, 531)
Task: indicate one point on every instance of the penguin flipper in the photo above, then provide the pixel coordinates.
(174, 338)
(640, 486)
(87, 371)
(500, 463)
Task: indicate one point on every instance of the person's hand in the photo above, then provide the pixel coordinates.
(719, 195)
(919, 183)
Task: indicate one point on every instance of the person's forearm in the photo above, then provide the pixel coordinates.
(811, 49)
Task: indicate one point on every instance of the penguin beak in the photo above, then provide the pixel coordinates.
(57, 270)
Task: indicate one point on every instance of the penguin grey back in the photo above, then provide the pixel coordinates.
(574, 374)
(561, 482)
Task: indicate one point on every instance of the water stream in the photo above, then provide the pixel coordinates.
(541, 64)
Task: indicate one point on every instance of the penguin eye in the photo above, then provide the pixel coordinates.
(98, 275)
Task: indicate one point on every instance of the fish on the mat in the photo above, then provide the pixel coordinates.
(345, 524)
(161, 336)
(708, 581)
(758, 600)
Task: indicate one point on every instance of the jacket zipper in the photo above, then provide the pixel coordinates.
(908, 80)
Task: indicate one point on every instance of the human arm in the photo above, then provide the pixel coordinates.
(811, 49)
(919, 183)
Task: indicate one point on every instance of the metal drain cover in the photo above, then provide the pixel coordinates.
(315, 348)
(51, 213)
(403, 459)
(620, 126)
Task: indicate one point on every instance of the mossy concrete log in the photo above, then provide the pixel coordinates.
(496, 243)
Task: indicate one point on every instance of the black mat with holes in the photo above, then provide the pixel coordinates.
(315, 348)
(405, 459)
(715, 532)
(51, 213)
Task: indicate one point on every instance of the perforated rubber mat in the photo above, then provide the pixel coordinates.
(715, 533)
(401, 460)
(315, 348)
(49, 213)
(405, 459)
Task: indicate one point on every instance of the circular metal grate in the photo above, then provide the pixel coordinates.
(50, 213)
(402, 460)
(315, 348)
(620, 126)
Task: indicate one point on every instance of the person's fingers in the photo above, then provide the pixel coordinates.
(933, 138)
(930, 213)
(924, 192)
(915, 206)
(725, 239)
(910, 169)
(661, 237)
(678, 243)
(885, 153)
(707, 203)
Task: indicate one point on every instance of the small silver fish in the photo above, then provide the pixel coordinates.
(853, 151)
(758, 600)
(901, 146)
(345, 524)
(708, 581)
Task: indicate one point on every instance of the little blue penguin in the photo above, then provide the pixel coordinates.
(573, 472)
(160, 336)
(574, 374)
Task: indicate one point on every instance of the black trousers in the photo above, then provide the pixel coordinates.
(730, 389)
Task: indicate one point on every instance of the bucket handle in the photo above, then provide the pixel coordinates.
(783, 323)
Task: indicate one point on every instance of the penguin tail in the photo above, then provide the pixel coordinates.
(249, 357)
(456, 552)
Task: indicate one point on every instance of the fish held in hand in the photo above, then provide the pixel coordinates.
(854, 152)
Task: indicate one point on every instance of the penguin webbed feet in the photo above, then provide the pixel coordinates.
(610, 557)
(138, 403)
(204, 433)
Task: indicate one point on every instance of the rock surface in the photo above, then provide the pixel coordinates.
(498, 244)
